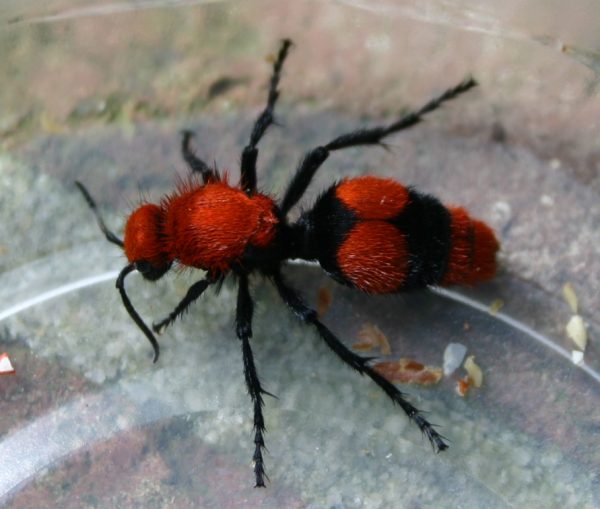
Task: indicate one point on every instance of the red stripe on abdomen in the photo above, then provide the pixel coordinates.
(473, 248)
(372, 197)
(374, 257)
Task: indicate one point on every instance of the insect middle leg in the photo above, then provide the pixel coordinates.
(243, 320)
(371, 136)
(250, 152)
(360, 364)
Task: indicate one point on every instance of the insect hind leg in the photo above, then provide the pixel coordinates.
(360, 364)
(313, 160)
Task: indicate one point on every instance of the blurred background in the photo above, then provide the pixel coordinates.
(99, 91)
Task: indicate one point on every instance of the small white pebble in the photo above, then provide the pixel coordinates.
(546, 200)
(453, 357)
(577, 357)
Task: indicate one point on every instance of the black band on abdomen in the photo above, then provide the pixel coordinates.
(426, 224)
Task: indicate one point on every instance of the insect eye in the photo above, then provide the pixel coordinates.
(143, 267)
(151, 272)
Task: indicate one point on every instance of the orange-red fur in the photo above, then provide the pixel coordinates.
(374, 257)
(373, 197)
(472, 252)
(142, 241)
(204, 226)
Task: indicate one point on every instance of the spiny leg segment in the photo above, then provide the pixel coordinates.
(371, 136)
(250, 152)
(243, 320)
(193, 293)
(360, 364)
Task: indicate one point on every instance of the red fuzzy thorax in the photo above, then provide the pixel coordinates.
(210, 226)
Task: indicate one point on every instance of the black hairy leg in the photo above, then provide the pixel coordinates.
(243, 321)
(360, 364)
(193, 293)
(196, 164)
(250, 152)
(370, 136)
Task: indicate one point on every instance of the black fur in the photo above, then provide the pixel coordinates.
(263, 122)
(322, 231)
(426, 224)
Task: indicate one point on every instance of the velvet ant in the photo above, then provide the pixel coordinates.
(369, 233)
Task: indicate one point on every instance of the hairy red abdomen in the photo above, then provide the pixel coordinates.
(380, 237)
(210, 226)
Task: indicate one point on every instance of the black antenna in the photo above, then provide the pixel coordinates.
(110, 236)
(132, 312)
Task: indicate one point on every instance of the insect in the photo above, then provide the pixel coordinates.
(369, 233)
